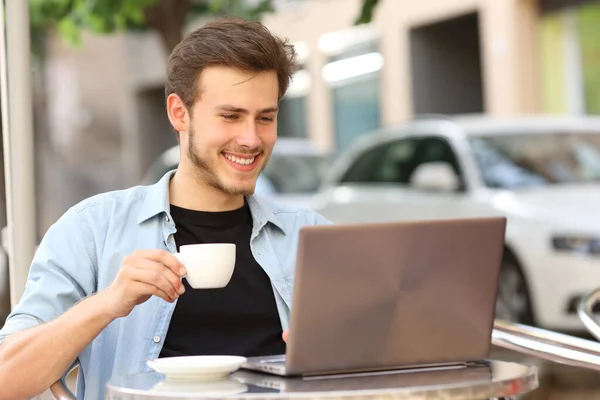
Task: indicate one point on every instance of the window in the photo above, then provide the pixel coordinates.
(382, 164)
(356, 110)
(512, 161)
(301, 173)
(435, 150)
(291, 118)
(292, 115)
(395, 162)
(354, 78)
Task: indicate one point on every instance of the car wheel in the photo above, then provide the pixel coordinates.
(513, 303)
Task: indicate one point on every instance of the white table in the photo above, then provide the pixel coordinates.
(486, 380)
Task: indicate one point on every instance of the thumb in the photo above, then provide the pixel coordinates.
(285, 335)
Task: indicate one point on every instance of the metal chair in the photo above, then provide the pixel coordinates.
(60, 390)
(585, 310)
(547, 345)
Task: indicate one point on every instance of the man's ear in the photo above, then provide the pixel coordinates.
(178, 113)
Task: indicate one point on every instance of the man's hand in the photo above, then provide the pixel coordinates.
(143, 274)
(34, 358)
(285, 335)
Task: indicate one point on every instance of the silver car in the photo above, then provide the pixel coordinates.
(542, 173)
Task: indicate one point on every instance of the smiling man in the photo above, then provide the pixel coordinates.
(104, 288)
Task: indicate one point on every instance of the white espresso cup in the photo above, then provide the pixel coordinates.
(208, 265)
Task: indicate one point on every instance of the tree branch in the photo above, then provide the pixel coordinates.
(167, 17)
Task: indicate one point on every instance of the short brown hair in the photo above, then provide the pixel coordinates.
(234, 42)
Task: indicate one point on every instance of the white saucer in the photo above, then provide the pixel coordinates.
(221, 387)
(197, 367)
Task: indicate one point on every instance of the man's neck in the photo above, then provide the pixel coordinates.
(187, 191)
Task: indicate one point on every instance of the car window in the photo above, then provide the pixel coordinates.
(434, 150)
(396, 161)
(498, 170)
(297, 173)
(382, 164)
(526, 160)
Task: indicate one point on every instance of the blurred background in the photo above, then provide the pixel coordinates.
(402, 109)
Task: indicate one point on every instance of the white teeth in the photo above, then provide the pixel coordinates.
(239, 160)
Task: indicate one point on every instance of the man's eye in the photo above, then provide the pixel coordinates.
(267, 119)
(230, 117)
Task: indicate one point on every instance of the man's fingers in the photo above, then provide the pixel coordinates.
(163, 257)
(152, 276)
(285, 335)
(145, 289)
(161, 269)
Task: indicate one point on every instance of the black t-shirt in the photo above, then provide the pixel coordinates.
(239, 319)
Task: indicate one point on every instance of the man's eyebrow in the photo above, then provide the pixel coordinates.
(230, 108)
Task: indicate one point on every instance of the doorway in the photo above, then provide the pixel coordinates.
(446, 67)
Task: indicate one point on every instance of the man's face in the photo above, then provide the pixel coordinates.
(232, 129)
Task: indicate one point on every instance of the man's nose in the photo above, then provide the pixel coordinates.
(249, 137)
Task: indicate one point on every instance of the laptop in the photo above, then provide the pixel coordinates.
(476, 373)
(384, 296)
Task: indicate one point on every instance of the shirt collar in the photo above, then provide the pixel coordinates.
(262, 212)
(157, 198)
(156, 202)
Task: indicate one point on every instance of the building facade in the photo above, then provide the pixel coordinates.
(105, 102)
(569, 43)
(427, 56)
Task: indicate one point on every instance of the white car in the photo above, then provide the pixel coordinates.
(542, 173)
(292, 175)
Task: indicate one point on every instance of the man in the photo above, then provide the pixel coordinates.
(105, 290)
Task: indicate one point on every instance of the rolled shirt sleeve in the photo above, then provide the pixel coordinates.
(62, 273)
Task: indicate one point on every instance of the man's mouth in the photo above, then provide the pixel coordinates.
(243, 160)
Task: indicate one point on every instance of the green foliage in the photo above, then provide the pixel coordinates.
(366, 12)
(240, 8)
(71, 17)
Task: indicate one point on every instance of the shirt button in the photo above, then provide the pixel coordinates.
(156, 339)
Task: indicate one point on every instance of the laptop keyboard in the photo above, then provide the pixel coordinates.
(273, 361)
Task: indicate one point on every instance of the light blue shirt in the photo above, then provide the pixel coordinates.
(82, 253)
